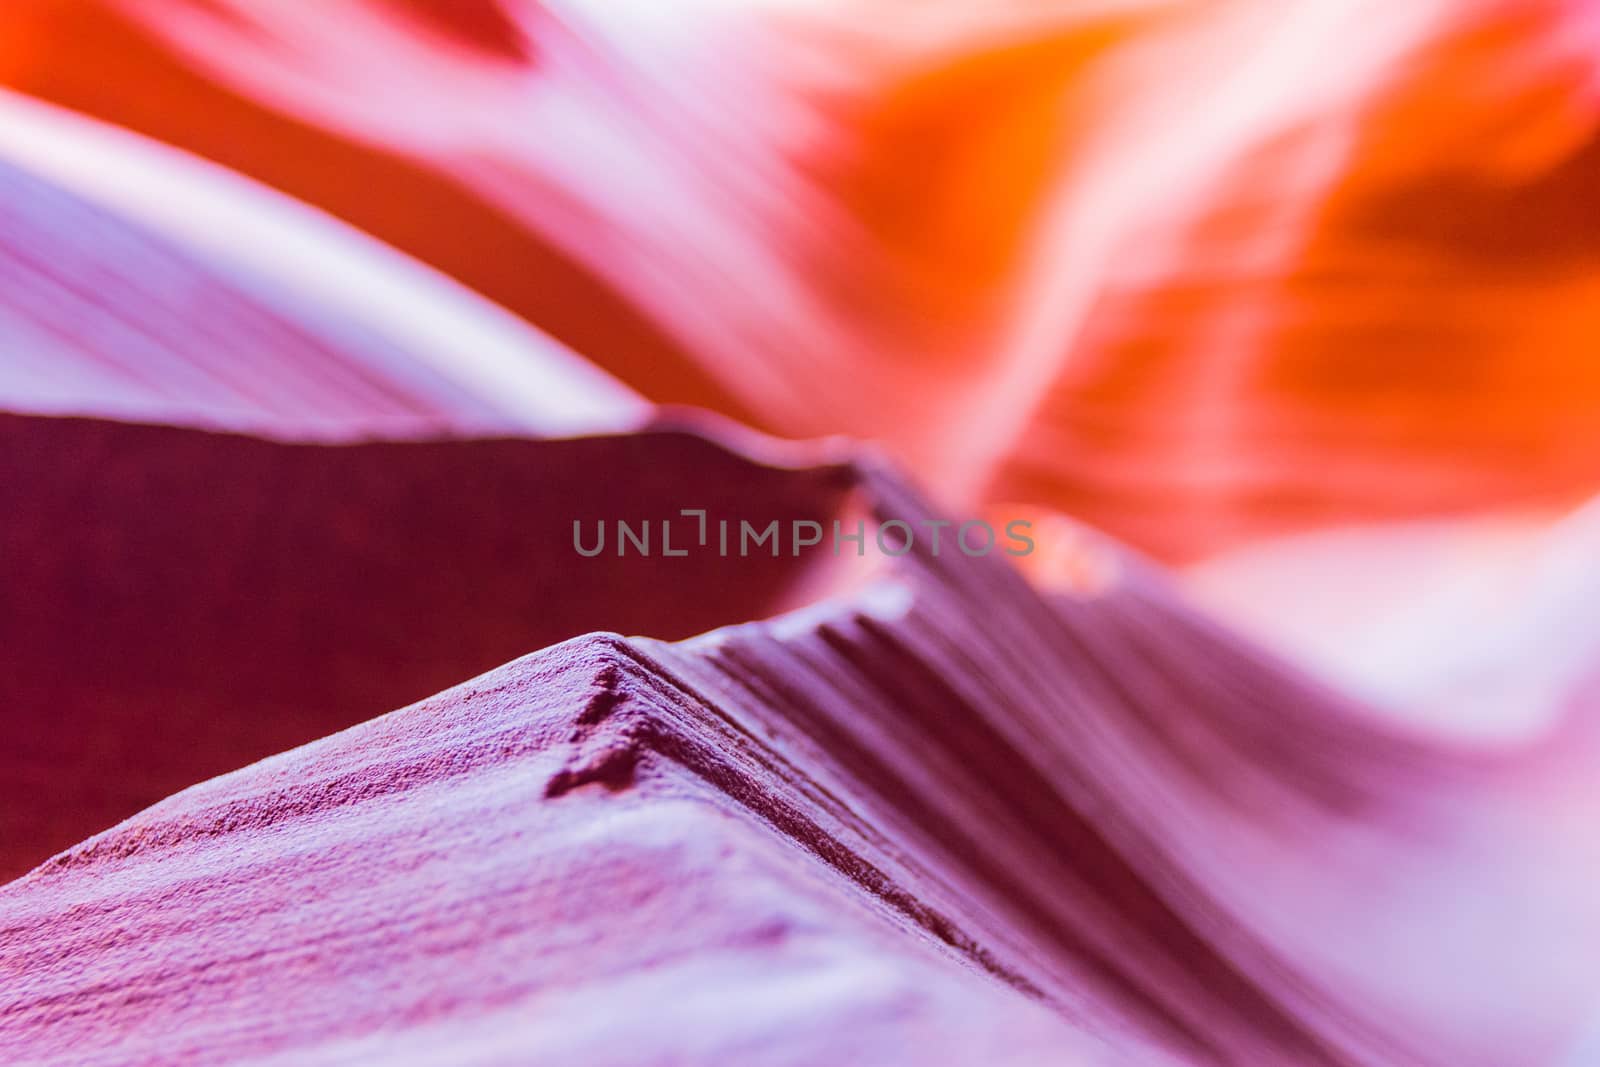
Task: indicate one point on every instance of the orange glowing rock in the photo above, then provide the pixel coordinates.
(1161, 266)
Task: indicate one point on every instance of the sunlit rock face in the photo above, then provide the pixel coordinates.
(146, 284)
(1143, 262)
(1366, 299)
(330, 332)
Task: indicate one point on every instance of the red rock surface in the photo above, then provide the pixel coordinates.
(180, 603)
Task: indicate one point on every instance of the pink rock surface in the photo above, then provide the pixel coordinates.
(1203, 272)
(141, 282)
(412, 892)
(932, 818)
